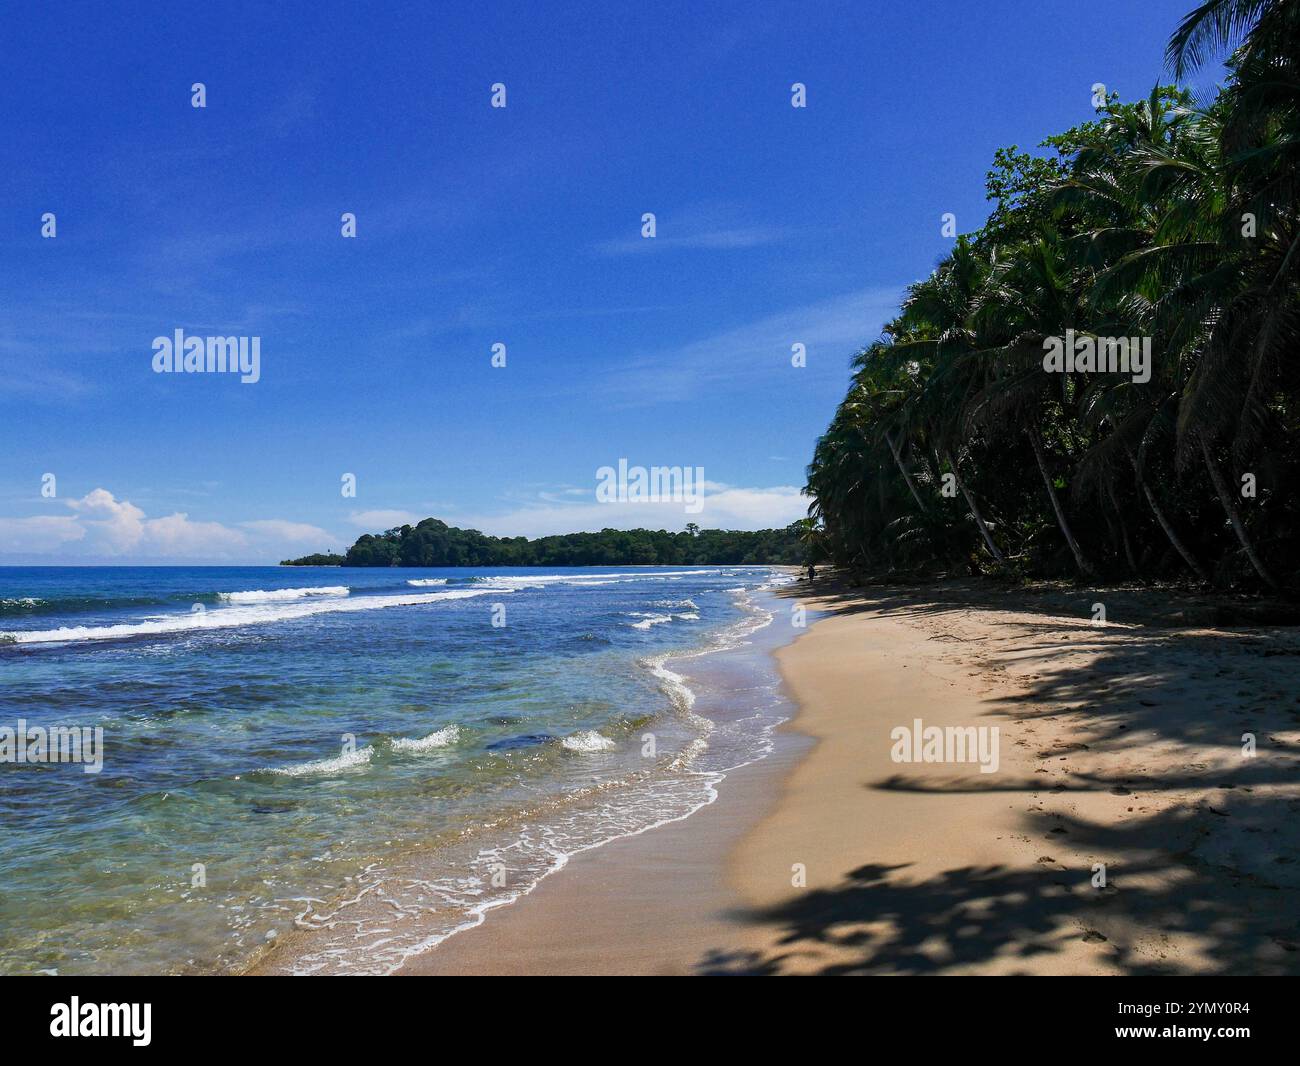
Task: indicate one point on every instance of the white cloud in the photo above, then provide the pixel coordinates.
(116, 525)
(39, 534)
(289, 532)
(104, 527)
(177, 537)
(725, 507)
(376, 521)
(770, 508)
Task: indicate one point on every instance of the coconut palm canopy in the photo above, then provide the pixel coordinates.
(1101, 380)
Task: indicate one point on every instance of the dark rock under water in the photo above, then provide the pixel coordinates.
(526, 740)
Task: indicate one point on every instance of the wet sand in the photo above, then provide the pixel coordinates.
(1120, 746)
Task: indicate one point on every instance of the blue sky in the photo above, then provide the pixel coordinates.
(478, 225)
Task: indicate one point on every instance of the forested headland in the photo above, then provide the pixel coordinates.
(434, 543)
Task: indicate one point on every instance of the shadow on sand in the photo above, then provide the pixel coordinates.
(1218, 870)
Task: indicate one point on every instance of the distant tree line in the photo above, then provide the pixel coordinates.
(434, 543)
(319, 559)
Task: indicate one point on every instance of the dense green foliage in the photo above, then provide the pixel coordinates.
(319, 559)
(1163, 220)
(434, 543)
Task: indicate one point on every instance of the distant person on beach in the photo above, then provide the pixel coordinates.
(812, 571)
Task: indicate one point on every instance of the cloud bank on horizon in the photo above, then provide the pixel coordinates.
(99, 528)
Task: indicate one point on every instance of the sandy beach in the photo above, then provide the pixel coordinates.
(1120, 752)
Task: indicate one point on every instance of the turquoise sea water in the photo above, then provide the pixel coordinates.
(352, 764)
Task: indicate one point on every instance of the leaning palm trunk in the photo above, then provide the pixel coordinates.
(904, 471)
(1082, 562)
(1123, 529)
(1225, 498)
(975, 511)
(1158, 511)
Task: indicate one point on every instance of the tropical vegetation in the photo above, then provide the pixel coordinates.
(434, 543)
(319, 559)
(1168, 218)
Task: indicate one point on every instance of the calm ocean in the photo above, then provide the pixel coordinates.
(351, 764)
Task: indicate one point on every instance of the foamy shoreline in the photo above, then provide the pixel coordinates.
(1120, 748)
(702, 766)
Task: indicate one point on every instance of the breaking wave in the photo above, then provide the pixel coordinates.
(281, 595)
(231, 617)
(587, 742)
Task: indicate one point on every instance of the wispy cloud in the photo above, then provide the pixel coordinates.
(707, 240)
(752, 355)
(703, 227)
(724, 507)
(288, 533)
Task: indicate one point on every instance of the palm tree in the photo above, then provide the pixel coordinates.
(1162, 220)
(932, 336)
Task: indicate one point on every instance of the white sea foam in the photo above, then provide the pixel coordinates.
(359, 933)
(395, 909)
(648, 620)
(587, 742)
(651, 618)
(674, 686)
(439, 738)
(421, 582)
(347, 761)
(230, 617)
(538, 580)
(282, 595)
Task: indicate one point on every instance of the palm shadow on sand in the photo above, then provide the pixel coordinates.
(1221, 872)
